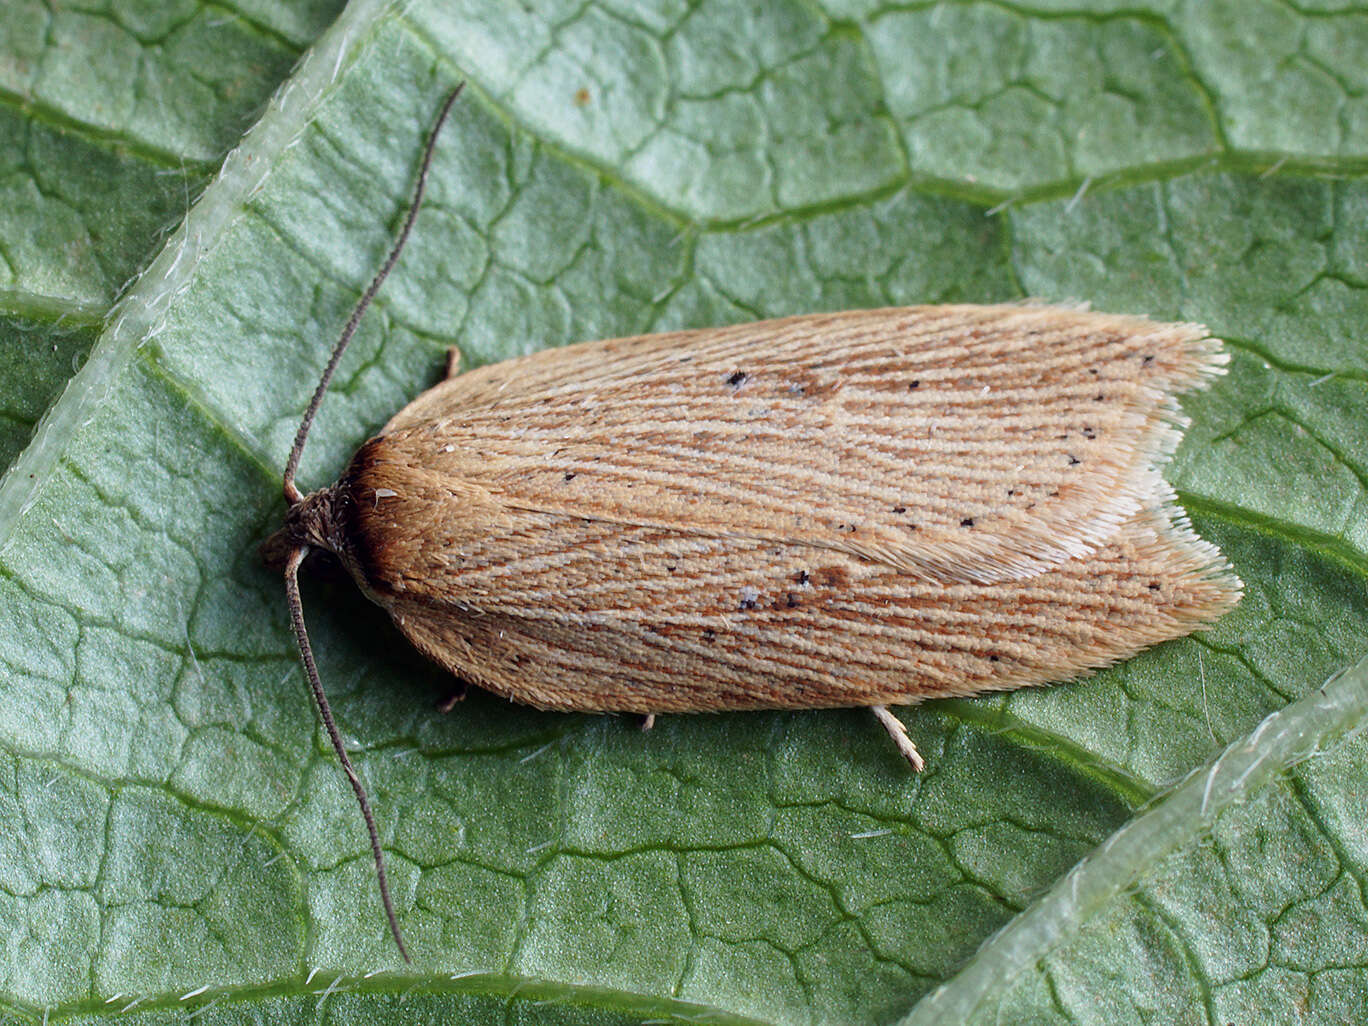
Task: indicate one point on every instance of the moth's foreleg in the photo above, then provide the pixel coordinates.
(456, 694)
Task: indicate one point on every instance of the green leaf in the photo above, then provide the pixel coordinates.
(1239, 893)
(176, 839)
(111, 121)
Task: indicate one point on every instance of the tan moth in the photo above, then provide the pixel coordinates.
(855, 509)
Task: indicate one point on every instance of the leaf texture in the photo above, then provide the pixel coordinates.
(176, 842)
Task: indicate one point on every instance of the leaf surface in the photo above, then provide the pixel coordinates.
(174, 833)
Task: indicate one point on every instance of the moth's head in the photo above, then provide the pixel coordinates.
(309, 523)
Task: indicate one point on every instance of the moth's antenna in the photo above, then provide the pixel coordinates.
(325, 711)
(292, 492)
(294, 497)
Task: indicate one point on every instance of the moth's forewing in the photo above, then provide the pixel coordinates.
(853, 509)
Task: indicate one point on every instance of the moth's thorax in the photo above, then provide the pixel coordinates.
(340, 520)
(395, 511)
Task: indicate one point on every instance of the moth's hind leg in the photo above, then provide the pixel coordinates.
(453, 363)
(647, 721)
(898, 733)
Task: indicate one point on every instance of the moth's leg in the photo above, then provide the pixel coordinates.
(453, 362)
(898, 733)
(648, 721)
(457, 694)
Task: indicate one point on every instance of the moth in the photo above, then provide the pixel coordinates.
(854, 509)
